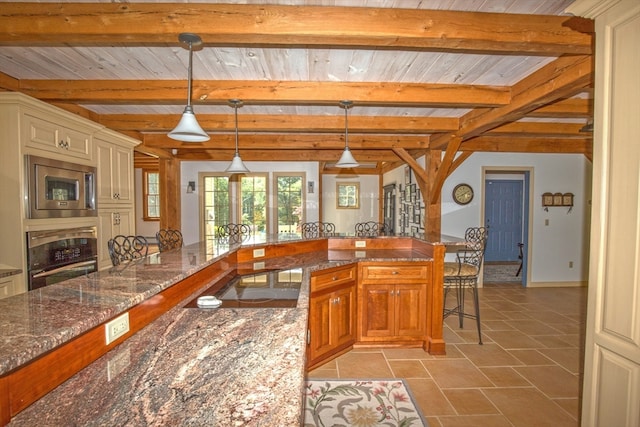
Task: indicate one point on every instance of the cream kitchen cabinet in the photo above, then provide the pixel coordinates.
(114, 158)
(113, 153)
(53, 137)
(8, 285)
(111, 222)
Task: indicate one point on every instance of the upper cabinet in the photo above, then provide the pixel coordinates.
(114, 158)
(51, 136)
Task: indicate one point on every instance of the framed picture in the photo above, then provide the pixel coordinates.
(348, 195)
(407, 175)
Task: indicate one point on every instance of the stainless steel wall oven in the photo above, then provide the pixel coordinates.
(57, 255)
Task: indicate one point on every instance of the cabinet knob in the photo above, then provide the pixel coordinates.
(334, 278)
(394, 272)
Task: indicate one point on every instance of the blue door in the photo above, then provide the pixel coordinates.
(504, 217)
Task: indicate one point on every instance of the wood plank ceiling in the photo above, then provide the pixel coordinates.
(457, 76)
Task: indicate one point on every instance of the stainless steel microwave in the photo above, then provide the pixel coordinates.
(59, 189)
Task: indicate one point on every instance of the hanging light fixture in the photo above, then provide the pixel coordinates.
(237, 165)
(346, 160)
(188, 129)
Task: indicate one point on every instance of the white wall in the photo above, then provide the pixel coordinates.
(190, 201)
(143, 228)
(553, 246)
(346, 219)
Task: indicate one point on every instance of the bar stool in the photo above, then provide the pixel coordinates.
(169, 239)
(462, 275)
(369, 229)
(234, 233)
(127, 248)
(317, 229)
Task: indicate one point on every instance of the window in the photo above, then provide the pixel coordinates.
(216, 207)
(289, 202)
(347, 195)
(253, 203)
(244, 199)
(151, 198)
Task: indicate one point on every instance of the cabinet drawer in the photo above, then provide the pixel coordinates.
(391, 274)
(328, 278)
(52, 137)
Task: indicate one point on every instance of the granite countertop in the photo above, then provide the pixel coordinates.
(190, 366)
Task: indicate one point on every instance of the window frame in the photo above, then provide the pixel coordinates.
(145, 194)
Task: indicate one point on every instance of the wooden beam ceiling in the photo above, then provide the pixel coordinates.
(489, 113)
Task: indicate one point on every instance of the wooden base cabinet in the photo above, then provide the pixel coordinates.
(392, 303)
(332, 314)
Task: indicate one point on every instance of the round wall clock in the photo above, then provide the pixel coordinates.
(462, 194)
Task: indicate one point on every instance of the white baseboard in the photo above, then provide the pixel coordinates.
(557, 284)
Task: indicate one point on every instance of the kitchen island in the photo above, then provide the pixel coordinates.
(229, 366)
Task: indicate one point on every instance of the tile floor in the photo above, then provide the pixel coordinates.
(527, 373)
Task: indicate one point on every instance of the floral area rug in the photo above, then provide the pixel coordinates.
(363, 403)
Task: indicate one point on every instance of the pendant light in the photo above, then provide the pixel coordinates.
(188, 129)
(237, 165)
(346, 160)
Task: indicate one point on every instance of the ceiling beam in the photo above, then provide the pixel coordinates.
(216, 92)
(561, 78)
(279, 142)
(285, 123)
(528, 145)
(105, 24)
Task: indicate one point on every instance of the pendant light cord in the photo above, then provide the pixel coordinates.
(236, 113)
(346, 127)
(190, 71)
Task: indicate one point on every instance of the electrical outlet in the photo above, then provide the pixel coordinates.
(258, 265)
(116, 328)
(258, 252)
(570, 264)
(361, 244)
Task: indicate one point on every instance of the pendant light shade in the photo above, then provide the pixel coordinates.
(237, 165)
(346, 160)
(188, 129)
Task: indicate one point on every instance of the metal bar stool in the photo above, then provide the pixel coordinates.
(127, 248)
(169, 239)
(317, 229)
(462, 275)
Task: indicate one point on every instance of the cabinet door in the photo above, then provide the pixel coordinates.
(320, 342)
(377, 311)
(52, 137)
(112, 222)
(115, 172)
(343, 317)
(6, 286)
(123, 174)
(105, 181)
(410, 314)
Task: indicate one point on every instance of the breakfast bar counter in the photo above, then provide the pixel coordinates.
(188, 366)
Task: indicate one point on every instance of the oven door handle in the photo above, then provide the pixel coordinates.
(69, 267)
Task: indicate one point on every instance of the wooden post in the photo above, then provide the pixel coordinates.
(170, 193)
(432, 197)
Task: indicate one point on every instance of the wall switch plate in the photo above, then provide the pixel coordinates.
(116, 328)
(361, 254)
(546, 222)
(258, 252)
(361, 244)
